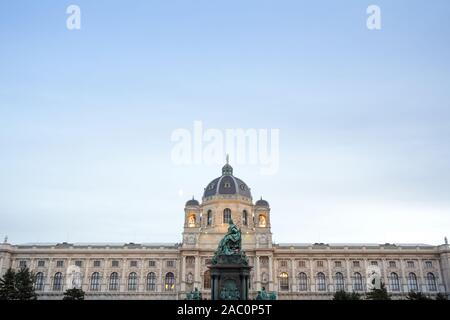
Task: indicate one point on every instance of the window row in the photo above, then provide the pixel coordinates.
(113, 282)
(226, 218)
(169, 282)
(95, 263)
(357, 282)
(357, 264)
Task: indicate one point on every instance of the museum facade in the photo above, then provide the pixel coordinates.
(170, 271)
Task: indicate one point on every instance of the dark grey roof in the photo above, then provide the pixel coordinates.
(192, 202)
(227, 184)
(262, 203)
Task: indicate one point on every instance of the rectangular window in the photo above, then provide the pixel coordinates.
(320, 264)
(283, 263)
(208, 261)
(170, 263)
(302, 264)
(22, 264)
(410, 264)
(190, 261)
(392, 264)
(60, 264)
(79, 263)
(41, 263)
(356, 264)
(115, 263)
(374, 263)
(264, 261)
(338, 264)
(133, 263)
(97, 263)
(152, 263)
(428, 264)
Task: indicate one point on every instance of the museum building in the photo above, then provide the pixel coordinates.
(170, 271)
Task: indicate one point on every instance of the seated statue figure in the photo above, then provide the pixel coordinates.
(264, 295)
(194, 295)
(231, 243)
(229, 248)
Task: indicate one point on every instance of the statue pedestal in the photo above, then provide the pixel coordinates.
(230, 281)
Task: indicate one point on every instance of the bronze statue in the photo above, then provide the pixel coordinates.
(229, 249)
(231, 243)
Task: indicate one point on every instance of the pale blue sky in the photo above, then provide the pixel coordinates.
(86, 116)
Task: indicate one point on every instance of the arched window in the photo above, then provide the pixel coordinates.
(39, 284)
(207, 280)
(151, 281)
(431, 282)
(226, 215)
(57, 281)
(132, 281)
(245, 218)
(191, 221)
(412, 282)
(284, 281)
(262, 221)
(95, 281)
(169, 281)
(321, 284)
(302, 282)
(393, 282)
(339, 281)
(114, 281)
(357, 282)
(209, 218)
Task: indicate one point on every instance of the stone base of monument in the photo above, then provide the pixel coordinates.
(229, 281)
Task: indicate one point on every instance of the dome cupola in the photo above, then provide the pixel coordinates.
(262, 203)
(227, 185)
(192, 202)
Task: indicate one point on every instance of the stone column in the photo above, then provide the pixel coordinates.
(348, 280)
(292, 287)
(258, 276)
(275, 278)
(421, 279)
(330, 276)
(440, 281)
(85, 283)
(124, 276)
(243, 279)
(213, 287)
(364, 272)
(271, 277)
(312, 282)
(183, 274)
(143, 278)
(404, 282)
(385, 276)
(444, 267)
(197, 282)
(49, 277)
(216, 292)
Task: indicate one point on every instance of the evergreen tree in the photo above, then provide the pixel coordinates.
(25, 285)
(74, 294)
(441, 296)
(379, 294)
(412, 295)
(7, 286)
(342, 295)
(17, 285)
